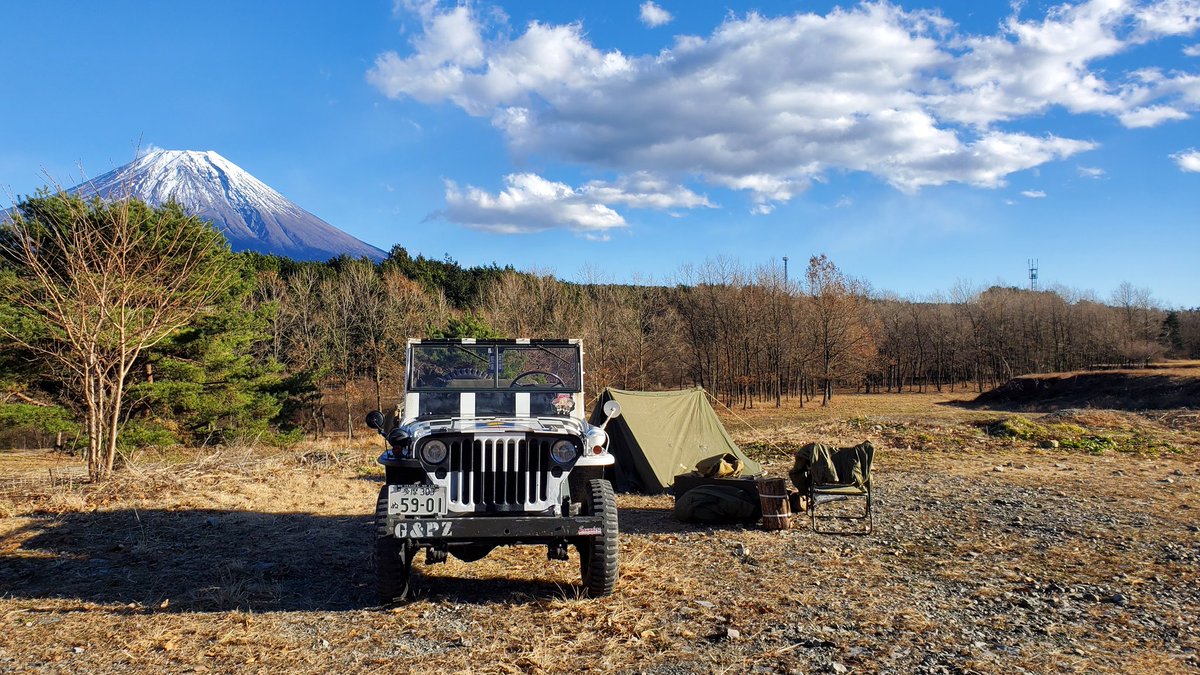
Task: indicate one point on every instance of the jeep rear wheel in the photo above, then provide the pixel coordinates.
(393, 557)
(598, 555)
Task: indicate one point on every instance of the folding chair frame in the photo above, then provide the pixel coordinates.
(867, 515)
(845, 491)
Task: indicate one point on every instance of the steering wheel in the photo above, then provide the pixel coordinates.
(558, 381)
(461, 374)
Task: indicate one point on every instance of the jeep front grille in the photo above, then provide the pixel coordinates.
(501, 473)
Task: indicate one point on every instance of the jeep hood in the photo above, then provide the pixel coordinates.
(498, 425)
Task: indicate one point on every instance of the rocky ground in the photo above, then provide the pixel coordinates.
(990, 555)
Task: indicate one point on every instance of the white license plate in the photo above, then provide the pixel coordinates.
(416, 500)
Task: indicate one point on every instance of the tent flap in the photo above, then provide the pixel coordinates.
(663, 434)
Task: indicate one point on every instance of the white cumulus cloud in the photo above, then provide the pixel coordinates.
(1191, 50)
(1091, 172)
(645, 191)
(1167, 17)
(769, 104)
(1151, 116)
(1188, 160)
(654, 16)
(529, 203)
(1033, 194)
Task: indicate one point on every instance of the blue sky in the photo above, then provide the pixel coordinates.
(918, 144)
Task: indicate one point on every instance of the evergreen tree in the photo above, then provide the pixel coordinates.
(463, 288)
(1171, 334)
(215, 381)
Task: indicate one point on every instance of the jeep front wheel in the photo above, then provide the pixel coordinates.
(393, 557)
(598, 554)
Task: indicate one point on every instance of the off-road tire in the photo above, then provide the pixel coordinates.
(393, 557)
(598, 555)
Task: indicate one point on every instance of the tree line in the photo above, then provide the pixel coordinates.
(125, 325)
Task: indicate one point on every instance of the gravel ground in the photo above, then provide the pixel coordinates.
(1001, 559)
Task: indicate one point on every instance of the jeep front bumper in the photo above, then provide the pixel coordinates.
(502, 528)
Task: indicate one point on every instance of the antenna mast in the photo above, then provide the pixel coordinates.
(1033, 274)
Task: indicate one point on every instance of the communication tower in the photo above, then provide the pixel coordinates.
(1033, 274)
(785, 278)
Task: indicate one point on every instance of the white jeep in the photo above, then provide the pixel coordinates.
(492, 449)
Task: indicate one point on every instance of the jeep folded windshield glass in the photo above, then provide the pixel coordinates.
(475, 367)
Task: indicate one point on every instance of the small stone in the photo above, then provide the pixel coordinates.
(838, 668)
(78, 650)
(1049, 443)
(733, 633)
(1022, 466)
(1177, 472)
(1117, 599)
(1167, 481)
(998, 469)
(705, 604)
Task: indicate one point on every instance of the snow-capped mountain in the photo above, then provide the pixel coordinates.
(252, 215)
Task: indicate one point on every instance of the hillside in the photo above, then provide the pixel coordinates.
(1159, 387)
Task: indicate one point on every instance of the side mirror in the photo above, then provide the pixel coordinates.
(612, 410)
(375, 420)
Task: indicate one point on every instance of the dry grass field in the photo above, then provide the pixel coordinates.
(991, 555)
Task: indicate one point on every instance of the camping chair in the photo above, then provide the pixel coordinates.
(853, 468)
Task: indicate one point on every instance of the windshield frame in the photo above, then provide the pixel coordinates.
(482, 363)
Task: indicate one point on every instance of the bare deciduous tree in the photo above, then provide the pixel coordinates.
(102, 282)
(839, 323)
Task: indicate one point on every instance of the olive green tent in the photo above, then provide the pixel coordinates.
(661, 434)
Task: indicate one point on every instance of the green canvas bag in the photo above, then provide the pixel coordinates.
(716, 504)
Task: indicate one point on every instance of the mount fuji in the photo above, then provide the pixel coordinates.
(252, 216)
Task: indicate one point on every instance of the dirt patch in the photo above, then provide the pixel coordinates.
(991, 555)
(1171, 386)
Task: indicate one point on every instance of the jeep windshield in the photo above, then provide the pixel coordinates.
(491, 367)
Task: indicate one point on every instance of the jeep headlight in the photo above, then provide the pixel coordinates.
(595, 441)
(433, 452)
(563, 452)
